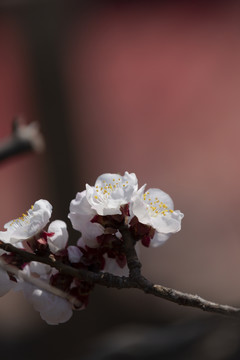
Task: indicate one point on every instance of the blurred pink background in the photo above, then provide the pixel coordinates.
(152, 90)
(157, 89)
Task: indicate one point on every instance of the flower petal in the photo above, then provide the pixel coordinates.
(53, 309)
(59, 240)
(29, 224)
(158, 239)
(155, 208)
(74, 254)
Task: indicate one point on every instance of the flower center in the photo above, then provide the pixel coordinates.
(155, 206)
(22, 220)
(106, 189)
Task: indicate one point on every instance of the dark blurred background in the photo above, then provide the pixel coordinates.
(151, 88)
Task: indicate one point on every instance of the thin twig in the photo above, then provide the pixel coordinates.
(38, 283)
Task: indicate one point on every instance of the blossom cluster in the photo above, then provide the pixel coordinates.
(98, 213)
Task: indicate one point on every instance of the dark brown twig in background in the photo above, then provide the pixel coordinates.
(24, 138)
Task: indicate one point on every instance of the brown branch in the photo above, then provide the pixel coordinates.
(133, 262)
(186, 299)
(24, 138)
(104, 279)
(137, 282)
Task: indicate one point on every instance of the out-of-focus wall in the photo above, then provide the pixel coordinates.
(159, 90)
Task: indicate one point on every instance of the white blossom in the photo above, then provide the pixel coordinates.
(110, 192)
(59, 239)
(81, 215)
(53, 309)
(29, 224)
(43, 270)
(155, 208)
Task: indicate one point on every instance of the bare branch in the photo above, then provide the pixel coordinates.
(186, 299)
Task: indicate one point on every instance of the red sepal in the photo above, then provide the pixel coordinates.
(146, 241)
